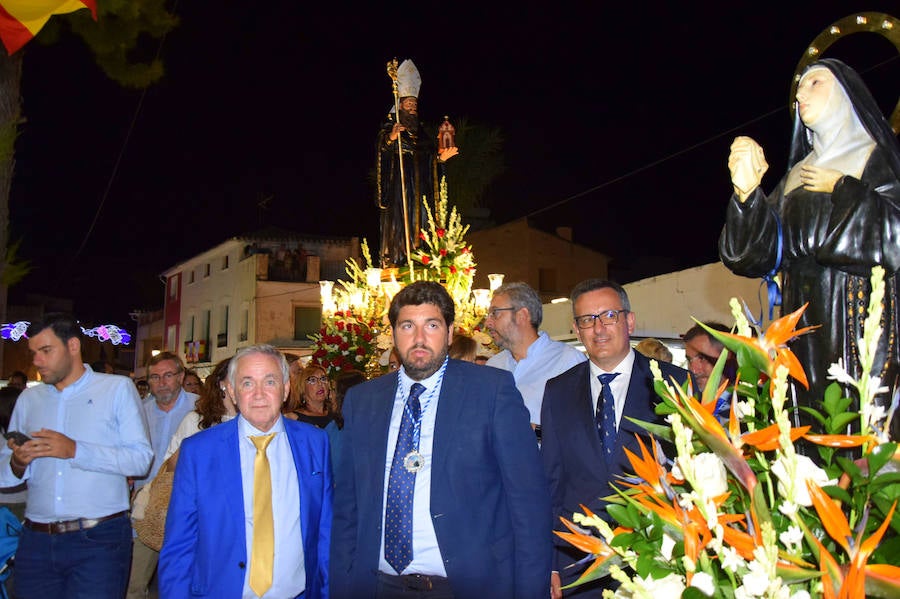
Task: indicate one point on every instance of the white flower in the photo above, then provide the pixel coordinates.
(704, 582)
(792, 536)
(800, 595)
(742, 409)
(710, 475)
(788, 508)
(676, 471)
(837, 372)
(670, 586)
(756, 582)
(668, 544)
(731, 560)
(804, 469)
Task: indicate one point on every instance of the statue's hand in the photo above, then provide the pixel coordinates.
(447, 153)
(819, 179)
(395, 131)
(747, 163)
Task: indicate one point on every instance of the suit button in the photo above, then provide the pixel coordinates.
(241, 565)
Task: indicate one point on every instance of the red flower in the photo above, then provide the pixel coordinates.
(421, 235)
(468, 271)
(344, 346)
(465, 250)
(338, 313)
(325, 363)
(440, 233)
(426, 259)
(356, 329)
(371, 323)
(340, 325)
(360, 351)
(367, 337)
(443, 251)
(452, 270)
(320, 353)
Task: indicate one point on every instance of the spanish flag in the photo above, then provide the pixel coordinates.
(20, 20)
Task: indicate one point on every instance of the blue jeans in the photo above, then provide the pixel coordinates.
(86, 564)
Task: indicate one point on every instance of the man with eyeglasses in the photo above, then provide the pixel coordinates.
(701, 351)
(164, 410)
(584, 417)
(532, 356)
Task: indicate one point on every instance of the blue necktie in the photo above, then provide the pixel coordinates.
(401, 484)
(606, 414)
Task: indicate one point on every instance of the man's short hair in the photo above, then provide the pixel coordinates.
(63, 325)
(264, 349)
(697, 330)
(423, 292)
(595, 284)
(166, 355)
(521, 295)
(18, 374)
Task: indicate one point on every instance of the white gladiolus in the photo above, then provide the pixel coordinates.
(668, 544)
(837, 372)
(791, 537)
(794, 489)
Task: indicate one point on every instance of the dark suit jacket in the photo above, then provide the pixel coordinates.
(489, 501)
(204, 553)
(571, 448)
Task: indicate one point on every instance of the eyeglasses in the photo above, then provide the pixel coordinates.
(166, 376)
(495, 312)
(702, 357)
(608, 318)
(313, 380)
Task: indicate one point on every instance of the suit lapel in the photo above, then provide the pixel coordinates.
(447, 419)
(584, 407)
(302, 464)
(377, 421)
(227, 472)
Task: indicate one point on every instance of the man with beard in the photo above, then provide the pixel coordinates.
(439, 482)
(532, 356)
(420, 170)
(87, 434)
(169, 405)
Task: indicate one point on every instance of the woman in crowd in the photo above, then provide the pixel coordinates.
(192, 383)
(311, 398)
(212, 407)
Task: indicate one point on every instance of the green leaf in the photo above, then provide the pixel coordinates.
(839, 422)
(624, 516)
(851, 469)
(884, 481)
(693, 593)
(815, 414)
(880, 456)
(625, 539)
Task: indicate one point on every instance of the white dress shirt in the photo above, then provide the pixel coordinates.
(618, 386)
(289, 572)
(426, 557)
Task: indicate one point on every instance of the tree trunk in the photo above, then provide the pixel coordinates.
(10, 116)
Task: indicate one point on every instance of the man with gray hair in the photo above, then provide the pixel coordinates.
(234, 481)
(532, 356)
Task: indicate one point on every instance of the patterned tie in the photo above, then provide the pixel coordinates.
(401, 484)
(262, 556)
(606, 414)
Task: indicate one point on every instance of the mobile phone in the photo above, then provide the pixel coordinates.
(17, 437)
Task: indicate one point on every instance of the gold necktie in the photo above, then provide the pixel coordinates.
(262, 557)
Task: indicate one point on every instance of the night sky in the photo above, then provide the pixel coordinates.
(633, 110)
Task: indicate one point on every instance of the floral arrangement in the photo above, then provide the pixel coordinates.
(344, 342)
(740, 512)
(444, 255)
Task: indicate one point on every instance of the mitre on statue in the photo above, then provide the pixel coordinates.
(408, 79)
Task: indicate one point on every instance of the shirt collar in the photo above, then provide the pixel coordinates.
(245, 429)
(623, 367)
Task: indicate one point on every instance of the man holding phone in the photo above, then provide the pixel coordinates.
(87, 435)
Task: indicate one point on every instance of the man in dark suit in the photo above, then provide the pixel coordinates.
(440, 485)
(583, 416)
(246, 493)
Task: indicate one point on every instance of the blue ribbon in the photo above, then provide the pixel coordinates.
(769, 278)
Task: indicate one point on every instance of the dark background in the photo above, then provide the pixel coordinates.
(631, 110)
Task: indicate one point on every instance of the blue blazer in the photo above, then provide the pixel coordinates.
(489, 500)
(204, 552)
(571, 448)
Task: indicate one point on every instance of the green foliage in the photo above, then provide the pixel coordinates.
(123, 40)
(479, 162)
(14, 268)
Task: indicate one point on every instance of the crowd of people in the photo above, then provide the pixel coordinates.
(427, 479)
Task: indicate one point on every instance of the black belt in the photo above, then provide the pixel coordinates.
(417, 582)
(63, 526)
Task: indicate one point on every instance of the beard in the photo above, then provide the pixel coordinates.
(410, 121)
(422, 368)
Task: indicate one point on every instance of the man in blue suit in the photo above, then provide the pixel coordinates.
(584, 416)
(440, 485)
(250, 512)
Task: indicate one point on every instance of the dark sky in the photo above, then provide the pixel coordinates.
(283, 99)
